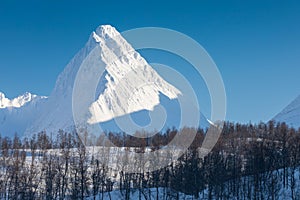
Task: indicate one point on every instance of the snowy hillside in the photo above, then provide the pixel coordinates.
(290, 114)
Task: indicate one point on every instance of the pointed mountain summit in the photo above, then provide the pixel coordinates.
(130, 84)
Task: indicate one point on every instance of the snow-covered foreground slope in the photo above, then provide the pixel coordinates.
(18, 113)
(144, 194)
(290, 114)
(167, 193)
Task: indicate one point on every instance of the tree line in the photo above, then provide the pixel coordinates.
(248, 162)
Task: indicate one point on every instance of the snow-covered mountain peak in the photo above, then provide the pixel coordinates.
(130, 83)
(105, 31)
(124, 84)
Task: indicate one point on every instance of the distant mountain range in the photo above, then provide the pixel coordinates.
(113, 55)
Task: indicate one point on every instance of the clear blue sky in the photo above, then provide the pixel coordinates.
(255, 44)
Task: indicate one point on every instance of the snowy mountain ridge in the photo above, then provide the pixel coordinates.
(18, 101)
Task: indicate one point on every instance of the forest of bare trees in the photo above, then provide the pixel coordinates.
(248, 162)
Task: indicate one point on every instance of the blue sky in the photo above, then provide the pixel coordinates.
(255, 44)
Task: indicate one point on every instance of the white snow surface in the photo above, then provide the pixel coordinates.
(290, 114)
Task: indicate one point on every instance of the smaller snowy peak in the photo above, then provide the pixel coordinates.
(18, 101)
(290, 114)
